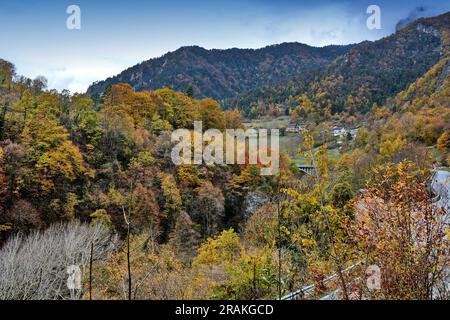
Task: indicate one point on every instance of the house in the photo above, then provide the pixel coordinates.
(294, 127)
(354, 132)
(339, 131)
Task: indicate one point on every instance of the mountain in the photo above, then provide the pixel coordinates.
(223, 74)
(369, 72)
(339, 78)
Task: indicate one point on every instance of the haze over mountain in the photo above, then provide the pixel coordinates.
(418, 12)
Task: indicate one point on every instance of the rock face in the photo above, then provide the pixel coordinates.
(428, 30)
(253, 201)
(417, 13)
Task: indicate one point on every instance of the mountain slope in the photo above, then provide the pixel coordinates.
(368, 73)
(223, 73)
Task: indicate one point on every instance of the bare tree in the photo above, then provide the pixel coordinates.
(34, 267)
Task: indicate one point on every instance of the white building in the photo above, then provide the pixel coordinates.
(339, 132)
(295, 127)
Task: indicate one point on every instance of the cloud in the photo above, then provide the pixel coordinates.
(334, 24)
(78, 77)
(418, 12)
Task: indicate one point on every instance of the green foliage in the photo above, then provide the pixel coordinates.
(172, 203)
(190, 92)
(443, 143)
(342, 193)
(101, 216)
(7, 71)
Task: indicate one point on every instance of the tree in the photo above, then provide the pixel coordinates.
(398, 229)
(101, 216)
(443, 143)
(7, 72)
(60, 165)
(388, 147)
(3, 180)
(261, 228)
(34, 267)
(171, 203)
(39, 84)
(69, 207)
(233, 119)
(342, 193)
(362, 137)
(306, 104)
(13, 155)
(19, 114)
(208, 208)
(350, 105)
(24, 217)
(224, 248)
(184, 239)
(51, 165)
(190, 92)
(83, 121)
(157, 272)
(211, 114)
(326, 224)
(229, 271)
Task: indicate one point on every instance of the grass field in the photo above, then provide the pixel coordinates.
(290, 142)
(435, 154)
(268, 123)
(332, 154)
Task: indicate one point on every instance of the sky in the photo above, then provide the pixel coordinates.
(116, 35)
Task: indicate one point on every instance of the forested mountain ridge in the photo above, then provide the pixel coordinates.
(420, 113)
(223, 73)
(368, 73)
(339, 78)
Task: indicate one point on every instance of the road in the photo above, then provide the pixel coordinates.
(440, 186)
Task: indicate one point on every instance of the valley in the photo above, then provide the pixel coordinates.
(88, 180)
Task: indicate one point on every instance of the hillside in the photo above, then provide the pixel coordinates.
(421, 113)
(91, 182)
(223, 73)
(368, 73)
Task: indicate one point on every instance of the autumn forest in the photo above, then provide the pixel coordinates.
(359, 208)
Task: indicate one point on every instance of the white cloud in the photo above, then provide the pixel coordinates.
(76, 76)
(337, 25)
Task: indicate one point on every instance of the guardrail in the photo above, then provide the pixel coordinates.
(308, 290)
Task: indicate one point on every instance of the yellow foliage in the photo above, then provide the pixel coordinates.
(224, 248)
(389, 147)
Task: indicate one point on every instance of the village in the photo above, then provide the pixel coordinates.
(337, 136)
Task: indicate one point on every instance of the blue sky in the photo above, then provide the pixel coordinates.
(115, 35)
